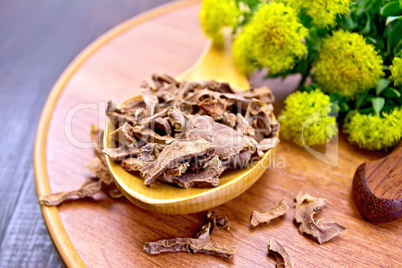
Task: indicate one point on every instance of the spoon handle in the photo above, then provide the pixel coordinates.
(377, 188)
(216, 63)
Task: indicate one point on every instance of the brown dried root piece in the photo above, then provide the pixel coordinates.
(265, 217)
(100, 170)
(200, 244)
(306, 206)
(191, 245)
(283, 259)
(102, 181)
(218, 222)
(214, 222)
(89, 188)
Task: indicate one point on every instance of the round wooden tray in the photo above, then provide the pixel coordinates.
(102, 232)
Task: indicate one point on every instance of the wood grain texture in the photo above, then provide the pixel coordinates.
(384, 176)
(108, 232)
(38, 39)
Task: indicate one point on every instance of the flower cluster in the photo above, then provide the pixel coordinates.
(305, 118)
(322, 12)
(347, 64)
(215, 15)
(273, 39)
(396, 71)
(374, 132)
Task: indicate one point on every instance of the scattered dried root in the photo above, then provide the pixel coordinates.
(282, 257)
(103, 180)
(265, 217)
(306, 206)
(200, 244)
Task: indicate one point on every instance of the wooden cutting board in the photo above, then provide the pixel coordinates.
(102, 232)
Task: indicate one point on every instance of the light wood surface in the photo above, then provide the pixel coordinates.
(102, 232)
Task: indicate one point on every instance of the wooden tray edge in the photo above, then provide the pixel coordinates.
(57, 232)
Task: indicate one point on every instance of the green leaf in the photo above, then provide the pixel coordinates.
(392, 18)
(361, 98)
(313, 40)
(390, 92)
(310, 88)
(394, 36)
(371, 40)
(366, 110)
(387, 108)
(391, 103)
(391, 9)
(381, 85)
(350, 24)
(363, 6)
(398, 47)
(343, 106)
(367, 26)
(335, 97)
(378, 103)
(380, 43)
(369, 98)
(251, 3)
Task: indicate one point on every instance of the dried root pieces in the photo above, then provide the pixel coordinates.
(305, 208)
(200, 244)
(191, 245)
(232, 129)
(102, 181)
(265, 217)
(89, 188)
(282, 257)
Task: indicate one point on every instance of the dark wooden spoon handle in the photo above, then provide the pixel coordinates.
(377, 188)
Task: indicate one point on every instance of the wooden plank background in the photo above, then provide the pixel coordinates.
(38, 39)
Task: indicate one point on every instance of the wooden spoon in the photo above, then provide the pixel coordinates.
(377, 188)
(215, 63)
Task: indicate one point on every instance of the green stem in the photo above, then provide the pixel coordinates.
(304, 77)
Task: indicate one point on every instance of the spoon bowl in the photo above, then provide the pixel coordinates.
(215, 63)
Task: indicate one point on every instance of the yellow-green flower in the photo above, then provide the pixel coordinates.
(305, 119)
(215, 15)
(374, 132)
(243, 55)
(396, 71)
(273, 39)
(347, 64)
(322, 12)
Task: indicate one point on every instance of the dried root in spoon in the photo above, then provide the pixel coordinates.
(200, 244)
(282, 257)
(305, 208)
(265, 217)
(102, 181)
(189, 133)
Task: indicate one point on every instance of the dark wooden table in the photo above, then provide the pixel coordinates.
(38, 39)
